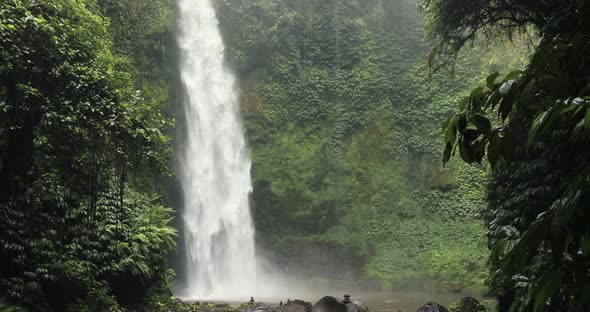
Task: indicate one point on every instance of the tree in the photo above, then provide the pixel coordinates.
(73, 131)
(453, 23)
(538, 211)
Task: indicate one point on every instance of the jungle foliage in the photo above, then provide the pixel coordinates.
(343, 115)
(343, 119)
(533, 127)
(83, 147)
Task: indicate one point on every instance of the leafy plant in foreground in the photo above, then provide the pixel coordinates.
(533, 127)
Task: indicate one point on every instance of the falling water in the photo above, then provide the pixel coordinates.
(214, 165)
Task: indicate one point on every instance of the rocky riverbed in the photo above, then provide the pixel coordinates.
(326, 304)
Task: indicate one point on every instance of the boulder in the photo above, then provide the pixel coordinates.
(306, 304)
(289, 308)
(295, 306)
(329, 304)
(351, 307)
(432, 306)
(361, 306)
(357, 306)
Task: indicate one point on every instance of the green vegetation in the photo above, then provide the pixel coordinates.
(83, 147)
(532, 125)
(343, 103)
(343, 119)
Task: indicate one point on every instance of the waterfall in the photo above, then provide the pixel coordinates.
(214, 165)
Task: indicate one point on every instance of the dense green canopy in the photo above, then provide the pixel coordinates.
(342, 115)
(76, 138)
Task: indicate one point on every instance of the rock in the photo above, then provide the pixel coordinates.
(469, 304)
(361, 306)
(357, 306)
(432, 306)
(351, 307)
(326, 304)
(289, 308)
(295, 306)
(329, 304)
(307, 305)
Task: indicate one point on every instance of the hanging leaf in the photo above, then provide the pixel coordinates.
(470, 135)
(491, 79)
(446, 123)
(451, 131)
(513, 75)
(476, 98)
(477, 92)
(466, 153)
(536, 125)
(481, 123)
(447, 152)
(462, 124)
(493, 100)
(505, 107)
(463, 103)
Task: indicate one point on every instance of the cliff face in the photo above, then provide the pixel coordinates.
(343, 123)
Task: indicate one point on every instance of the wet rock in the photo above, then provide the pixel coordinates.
(291, 306)
(294, 306)
(361, 306)
(255, 307)
(432, 306)
(351, 307)
(307, 305)
(329, 304)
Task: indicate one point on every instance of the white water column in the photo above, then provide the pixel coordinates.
(214, 165)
